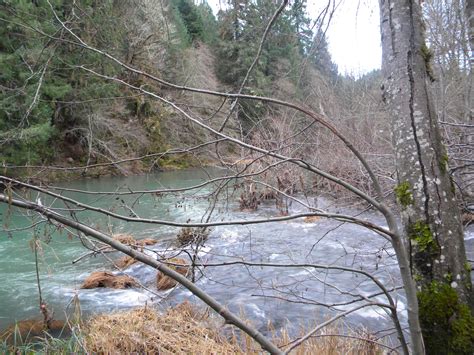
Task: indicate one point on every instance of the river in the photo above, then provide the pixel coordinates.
(286, 296)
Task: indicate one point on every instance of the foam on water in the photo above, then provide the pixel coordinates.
(255, 290)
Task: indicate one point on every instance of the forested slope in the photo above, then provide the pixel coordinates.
(59, 106)
(55, 111)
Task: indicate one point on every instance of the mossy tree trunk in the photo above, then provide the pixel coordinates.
(430, 217)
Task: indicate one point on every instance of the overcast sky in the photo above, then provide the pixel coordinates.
(353, 36)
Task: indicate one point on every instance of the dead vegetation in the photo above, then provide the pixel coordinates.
(125, 261)
(334, 340)
(249, 199)
(311, 219)
(185, 329)
(467, 218)
(188, 235)
(109, 280)
(164, 282)
(140, 331)
(129, 240)
(26, 331)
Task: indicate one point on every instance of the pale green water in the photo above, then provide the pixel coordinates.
(60, 279)
(241, 288)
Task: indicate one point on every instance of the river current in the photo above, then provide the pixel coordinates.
(288, 297)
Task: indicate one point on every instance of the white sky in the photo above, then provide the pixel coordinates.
(353, 36)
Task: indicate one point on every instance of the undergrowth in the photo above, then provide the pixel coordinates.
(183, 330)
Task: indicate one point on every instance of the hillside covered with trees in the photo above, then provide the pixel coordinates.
(54, 111)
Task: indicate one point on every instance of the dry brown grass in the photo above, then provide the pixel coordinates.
(335, 341)
(124, 238)
(131, 241)
(107, 279)
(125, 262)
(467, 218)
(143, 331)
(25, 331)
(186, 330)
(146, 241)
(311, 219)
(188, 235)
(164, 282)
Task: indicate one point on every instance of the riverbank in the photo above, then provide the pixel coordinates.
(184, 329)
(63, 170)
(266, 272)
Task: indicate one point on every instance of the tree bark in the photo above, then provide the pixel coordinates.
(430, 217)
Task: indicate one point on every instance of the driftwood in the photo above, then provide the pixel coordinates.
(164, 282)
(107, 279)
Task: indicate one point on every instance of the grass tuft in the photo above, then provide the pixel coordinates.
(186, 330)
(109, 280)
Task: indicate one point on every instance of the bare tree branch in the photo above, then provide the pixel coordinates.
(206, 298)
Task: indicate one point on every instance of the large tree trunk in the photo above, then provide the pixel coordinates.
(430, 217)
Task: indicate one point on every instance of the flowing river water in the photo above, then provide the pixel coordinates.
(288, 297)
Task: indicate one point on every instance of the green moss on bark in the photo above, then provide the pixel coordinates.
(467, 267)
(421, 234)
(427, 55)
(403, 193)
(453, 185)
(447, 324)
(443, 163)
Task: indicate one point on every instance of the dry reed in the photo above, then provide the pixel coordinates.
(164, 282)
(107, 279)
(188, 235)
(25, 331)
(334, 340)
(186, 330)
(125, 262)
(131, 241)
(311, 219)
(143, 331)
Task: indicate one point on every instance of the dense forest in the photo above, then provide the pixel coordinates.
(48, 99)
(100, 88)
(56, 111)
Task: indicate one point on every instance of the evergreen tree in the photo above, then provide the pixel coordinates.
(40, 85)
(321, 57)
(191, 18)
(302, 26)
(290, 41)
(209, 34)
(199, 21)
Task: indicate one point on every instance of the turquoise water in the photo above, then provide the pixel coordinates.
(59, 278)
(281, 295)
